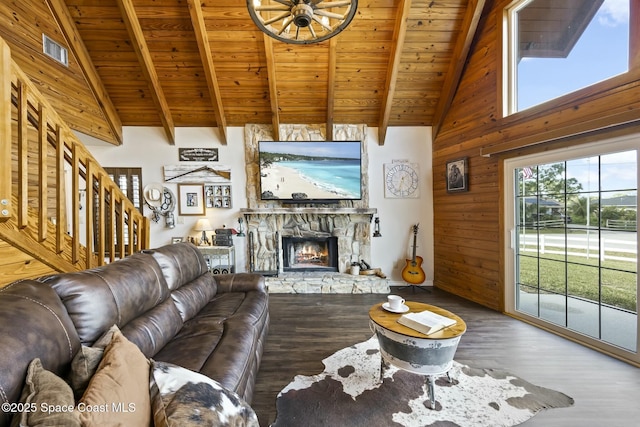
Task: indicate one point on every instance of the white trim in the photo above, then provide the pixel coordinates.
(613, 145)
(509, 60)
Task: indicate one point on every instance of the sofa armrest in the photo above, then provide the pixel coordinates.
(240, 282)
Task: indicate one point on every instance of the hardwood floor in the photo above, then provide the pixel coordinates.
(306, 328)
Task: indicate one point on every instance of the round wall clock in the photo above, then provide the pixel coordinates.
(401, 180)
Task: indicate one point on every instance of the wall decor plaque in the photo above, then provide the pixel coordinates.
(198, 154)
(198, 173)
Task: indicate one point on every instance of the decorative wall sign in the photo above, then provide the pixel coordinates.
(191, 199)
(217, 196)
(457, 175)
(214, 174)
(198, 154)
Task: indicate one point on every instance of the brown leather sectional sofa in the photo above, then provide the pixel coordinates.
(164, 300)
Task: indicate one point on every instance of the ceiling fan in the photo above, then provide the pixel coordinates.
(302, 21)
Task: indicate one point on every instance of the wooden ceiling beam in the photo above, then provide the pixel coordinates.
(139, 43)
(79, 51)
(399, 32)
(331, 87)
(197, 20)
(273, 90)
(456, 66)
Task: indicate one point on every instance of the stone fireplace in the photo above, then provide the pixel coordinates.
(273, 227)
(270, 229)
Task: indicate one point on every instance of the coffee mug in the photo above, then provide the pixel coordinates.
(395, 302)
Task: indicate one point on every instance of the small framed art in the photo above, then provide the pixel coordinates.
(457, 175)
(191, 199)
(217, 196)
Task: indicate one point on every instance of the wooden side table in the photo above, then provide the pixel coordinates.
(413, 351)
(220, 259)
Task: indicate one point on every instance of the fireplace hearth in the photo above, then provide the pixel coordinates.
(310, 254)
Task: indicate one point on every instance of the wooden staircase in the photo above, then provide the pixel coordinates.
(44, 170)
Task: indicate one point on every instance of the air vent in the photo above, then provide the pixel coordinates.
(55, 50)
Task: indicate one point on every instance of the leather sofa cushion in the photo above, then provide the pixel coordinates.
(193, 344)
(190, 298)
(33, 324)
(112, 294)
(241, 282)
(180, 263)
(155, 328)
(237, 357)
(233, 324)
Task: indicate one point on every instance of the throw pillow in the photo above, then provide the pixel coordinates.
(86, 361)
(118, 393)
(183, 398)
(47, 400)
(83, 366)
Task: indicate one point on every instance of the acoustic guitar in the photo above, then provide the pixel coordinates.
(412, 272)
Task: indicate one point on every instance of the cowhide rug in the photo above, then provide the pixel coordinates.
(349, 393)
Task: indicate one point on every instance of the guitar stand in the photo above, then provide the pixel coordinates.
(413, 271)
(414, 288)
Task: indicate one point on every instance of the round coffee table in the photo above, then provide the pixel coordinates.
(413, 351)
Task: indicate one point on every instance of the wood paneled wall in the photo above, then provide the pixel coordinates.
(468, 234)
(63, 84)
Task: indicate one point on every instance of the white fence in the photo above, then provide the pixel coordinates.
(549, 223)
(621, 224)
(605, 248)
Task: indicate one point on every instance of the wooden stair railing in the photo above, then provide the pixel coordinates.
(44, 169)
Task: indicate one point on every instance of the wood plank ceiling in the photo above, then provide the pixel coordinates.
(174, 63)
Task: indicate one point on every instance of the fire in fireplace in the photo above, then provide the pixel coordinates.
(310, 253)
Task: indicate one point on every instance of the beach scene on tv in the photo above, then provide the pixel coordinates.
(310, 170)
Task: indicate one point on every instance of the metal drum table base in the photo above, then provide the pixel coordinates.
(405, 348)
(431, 381)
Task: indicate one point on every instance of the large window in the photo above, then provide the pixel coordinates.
(557, 47)
(572, 259)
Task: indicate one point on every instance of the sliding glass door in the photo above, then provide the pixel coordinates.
(572, 256)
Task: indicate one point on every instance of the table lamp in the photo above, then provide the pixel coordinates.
(203, 225)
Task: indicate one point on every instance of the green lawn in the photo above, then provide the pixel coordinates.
(582, 279)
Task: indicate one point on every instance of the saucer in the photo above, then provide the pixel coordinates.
(402, 309)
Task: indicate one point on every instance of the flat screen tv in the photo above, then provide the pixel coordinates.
(299, 172)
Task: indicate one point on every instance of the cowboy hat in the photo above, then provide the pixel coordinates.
(153, 194)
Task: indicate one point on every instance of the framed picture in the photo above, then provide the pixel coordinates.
(217, 196)
(176, 240)
(191, 199)
(457, 175)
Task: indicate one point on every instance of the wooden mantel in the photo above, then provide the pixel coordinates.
(308, 210)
